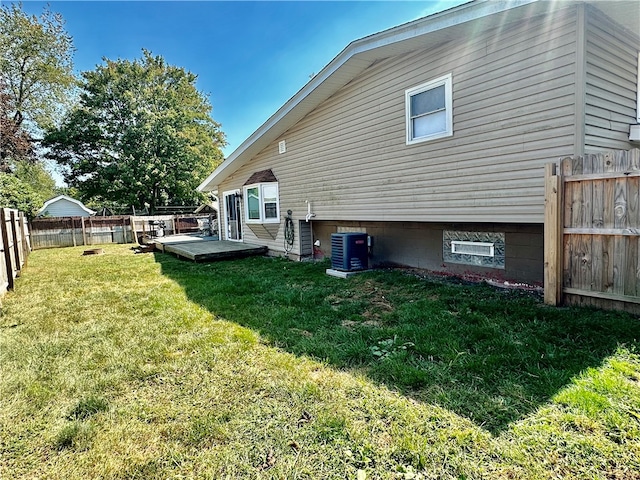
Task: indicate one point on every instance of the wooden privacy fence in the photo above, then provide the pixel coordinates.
(592, 231)
(14, 246)
(73, 231)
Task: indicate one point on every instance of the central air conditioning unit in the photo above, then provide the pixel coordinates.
(349, 251)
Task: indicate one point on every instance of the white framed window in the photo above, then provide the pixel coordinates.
(429, 110)
(262, 203)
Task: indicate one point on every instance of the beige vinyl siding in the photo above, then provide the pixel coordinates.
(513, 111)
(611, 85)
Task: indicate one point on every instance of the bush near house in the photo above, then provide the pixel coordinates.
(135, 366)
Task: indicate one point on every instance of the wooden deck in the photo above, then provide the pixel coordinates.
(206, 249)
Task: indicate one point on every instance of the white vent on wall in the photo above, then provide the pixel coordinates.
(480, 249)
(282, 146)
(352, 229)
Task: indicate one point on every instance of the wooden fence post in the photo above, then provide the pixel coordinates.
(553, 232)
(84, 231)
(73, 232)
(6, 248)
(16, 244)
(132, 221)
(26, 249)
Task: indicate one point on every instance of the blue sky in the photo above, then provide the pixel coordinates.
(250, 57)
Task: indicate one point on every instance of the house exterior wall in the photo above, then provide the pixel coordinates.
(65, 208)
(524, 94)
(611, 84)
(513, 111)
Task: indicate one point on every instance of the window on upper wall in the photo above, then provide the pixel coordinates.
(429, 110)
(261, 203)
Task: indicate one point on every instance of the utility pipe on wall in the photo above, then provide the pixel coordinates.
(309, 215)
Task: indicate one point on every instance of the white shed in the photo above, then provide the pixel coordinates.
(64, 206)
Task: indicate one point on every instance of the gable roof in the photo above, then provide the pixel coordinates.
(64, 197)
(263, 176)
(454, 23)
(205, 207)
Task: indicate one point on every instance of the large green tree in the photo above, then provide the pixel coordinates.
(15, 143)
(26, 188)
(141, 134)
(36, 75)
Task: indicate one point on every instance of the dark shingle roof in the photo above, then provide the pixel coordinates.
(263, 176)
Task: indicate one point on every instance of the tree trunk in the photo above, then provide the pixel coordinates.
(154, 200)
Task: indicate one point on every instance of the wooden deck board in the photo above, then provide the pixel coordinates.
(203, 249)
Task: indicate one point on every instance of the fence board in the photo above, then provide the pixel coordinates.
(597, 216)
(5, 229)
(14, 247)
(601, 235)
(630, 274)
(597, 263)
(17, 243)
(618, 265)
(607, 263)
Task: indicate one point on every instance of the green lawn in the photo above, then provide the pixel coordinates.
(141, 366)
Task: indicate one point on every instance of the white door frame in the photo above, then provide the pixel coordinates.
(238, 213)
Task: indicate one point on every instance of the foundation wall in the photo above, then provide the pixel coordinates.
(420, 245)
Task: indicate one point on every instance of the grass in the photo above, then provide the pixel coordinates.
(134, 366)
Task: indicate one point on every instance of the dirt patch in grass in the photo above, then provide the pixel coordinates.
(304, 333)
(352, 324)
